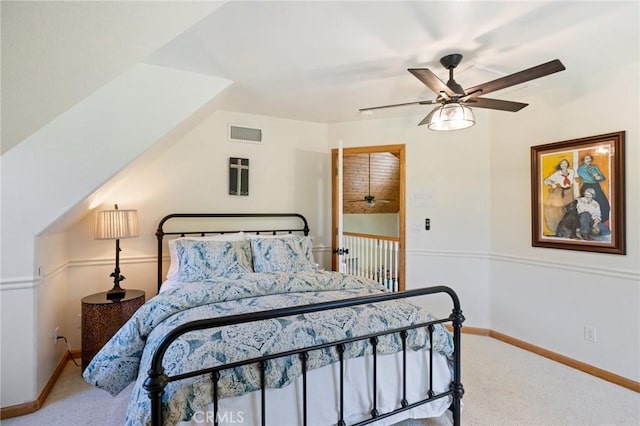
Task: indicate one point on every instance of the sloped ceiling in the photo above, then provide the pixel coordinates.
(305, 60)
(55, 54)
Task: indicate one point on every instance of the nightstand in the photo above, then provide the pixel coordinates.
(101, 318)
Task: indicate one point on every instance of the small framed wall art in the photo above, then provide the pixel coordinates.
(577, 194)
(238, 176)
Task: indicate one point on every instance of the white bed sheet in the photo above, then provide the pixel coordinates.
(284, 406)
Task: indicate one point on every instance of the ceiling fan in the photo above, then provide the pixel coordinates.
(370, 199)
(455, 101)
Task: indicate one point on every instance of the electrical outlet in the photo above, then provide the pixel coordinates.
(590, 333)
(55, 335)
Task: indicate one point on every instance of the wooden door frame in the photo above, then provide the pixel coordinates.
(398, 149)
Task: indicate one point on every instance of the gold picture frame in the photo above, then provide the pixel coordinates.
(578, 194)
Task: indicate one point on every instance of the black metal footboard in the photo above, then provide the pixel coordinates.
(157, 379)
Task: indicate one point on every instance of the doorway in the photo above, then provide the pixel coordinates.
(378, 172)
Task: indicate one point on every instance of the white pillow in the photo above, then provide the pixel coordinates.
(172, 273)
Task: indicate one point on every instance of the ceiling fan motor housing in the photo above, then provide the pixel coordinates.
(451, 61)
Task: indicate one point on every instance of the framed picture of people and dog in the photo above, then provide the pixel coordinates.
(577, 194)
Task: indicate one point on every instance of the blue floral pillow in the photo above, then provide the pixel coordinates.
(286, 253)
(203, 260)
(172, 273)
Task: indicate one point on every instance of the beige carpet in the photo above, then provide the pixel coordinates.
(504, 385)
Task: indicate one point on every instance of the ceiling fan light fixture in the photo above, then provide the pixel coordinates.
(450, 116)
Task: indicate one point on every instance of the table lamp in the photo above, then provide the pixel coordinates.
(115, 225)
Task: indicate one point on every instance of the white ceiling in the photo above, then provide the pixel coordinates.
(321, 61)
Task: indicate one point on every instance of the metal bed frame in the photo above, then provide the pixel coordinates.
(157, 379)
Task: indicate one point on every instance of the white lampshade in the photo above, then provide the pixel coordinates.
(450, 116)
(116, 224)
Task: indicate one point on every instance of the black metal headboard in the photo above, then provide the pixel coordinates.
(160, 233)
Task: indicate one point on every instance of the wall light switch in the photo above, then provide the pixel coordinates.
(427, 224)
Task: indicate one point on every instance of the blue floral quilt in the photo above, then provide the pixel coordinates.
(126, 357)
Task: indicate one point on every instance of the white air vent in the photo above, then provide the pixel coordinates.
(244, 134)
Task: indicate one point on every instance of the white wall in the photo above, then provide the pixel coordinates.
(474, 185)
(479, 243)
(447, 181)
(18, 313)
(51, 304)
(546, 296)
(289, 172)
(373, 223)
(59, 166)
